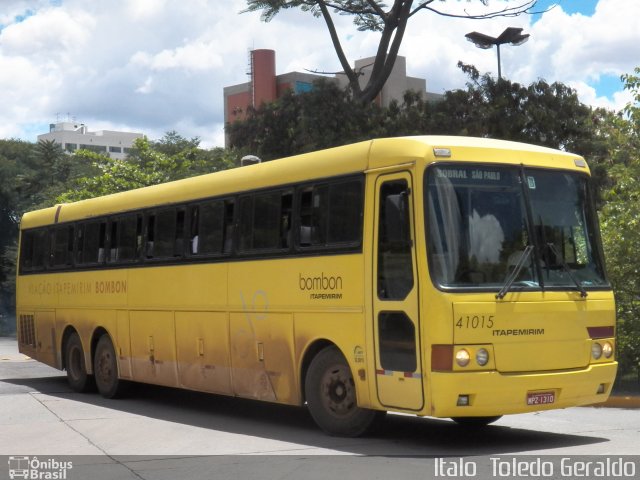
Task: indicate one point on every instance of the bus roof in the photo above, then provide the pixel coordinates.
(344, 160)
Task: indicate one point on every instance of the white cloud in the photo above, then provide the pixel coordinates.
(159, 65)
(144, 9)
(48, 35)
(199, 55)
(146, 87)
(588, 95)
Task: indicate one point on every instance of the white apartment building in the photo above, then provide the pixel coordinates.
(73, 136)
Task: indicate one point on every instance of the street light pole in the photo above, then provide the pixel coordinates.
(511, 35)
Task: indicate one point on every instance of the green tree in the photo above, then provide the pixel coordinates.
(53, 160)
(295, 123)
(389, 19)
(541, 113)
(171, 158)
(39, 175)
(620, 220)
(13, 158)
(44, 173)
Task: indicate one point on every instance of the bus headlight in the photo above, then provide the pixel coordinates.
(607, 349)
(482, 357)
(596, 350)
(462, 358)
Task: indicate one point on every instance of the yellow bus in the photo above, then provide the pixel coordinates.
(438, 276)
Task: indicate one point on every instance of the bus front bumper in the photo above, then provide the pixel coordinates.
(494, 393)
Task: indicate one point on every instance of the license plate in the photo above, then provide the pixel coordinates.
(541, 398)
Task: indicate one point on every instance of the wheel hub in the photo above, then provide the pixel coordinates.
(338, 391)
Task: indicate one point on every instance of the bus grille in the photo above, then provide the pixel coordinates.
(27, 330)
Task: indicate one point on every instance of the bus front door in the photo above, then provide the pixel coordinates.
(395, 296)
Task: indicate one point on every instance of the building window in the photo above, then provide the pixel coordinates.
(115, 149)
(303, 87)
(94, 148)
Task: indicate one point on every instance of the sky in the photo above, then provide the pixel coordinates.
(153, 66)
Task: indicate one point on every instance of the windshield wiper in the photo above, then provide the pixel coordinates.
(516, 271)
(552, 247)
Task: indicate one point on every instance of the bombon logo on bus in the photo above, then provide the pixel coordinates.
(321, 287)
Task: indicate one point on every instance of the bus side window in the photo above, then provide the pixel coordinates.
(262, 225)
(245, 224)
(26, 251)
(305, 197)
(209, 225)
(345, 213)
(162, 231)
(194, 230)
(285, 219)
(40, 250)
(313, 215)
(330, 214)
(229, 226)
(272, 220)
(90, 242)
(126, 234)
(150, 236)
(62, 246)
(33, 250)
(266, 221)
(178, 247)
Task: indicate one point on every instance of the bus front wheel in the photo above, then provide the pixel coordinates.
(77, 377)
(331, 397)
(105, 368)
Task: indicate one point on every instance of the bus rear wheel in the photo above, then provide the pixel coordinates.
(331, 397)
(475, 421)
(77, 377)
(105, 368)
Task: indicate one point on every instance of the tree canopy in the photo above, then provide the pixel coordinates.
(171, 158)
(390, 21)
(620, 219)
(542, 113)
(40, 175)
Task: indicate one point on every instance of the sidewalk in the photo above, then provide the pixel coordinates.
(621, 401)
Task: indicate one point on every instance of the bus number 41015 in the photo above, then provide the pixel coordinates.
(475, 321)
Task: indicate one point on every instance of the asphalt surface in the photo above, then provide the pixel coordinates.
(159, 433)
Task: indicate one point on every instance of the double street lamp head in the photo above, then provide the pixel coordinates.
(511, 35)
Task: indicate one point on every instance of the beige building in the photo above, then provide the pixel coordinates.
(265, 85)
(397, 83)
(73, 136)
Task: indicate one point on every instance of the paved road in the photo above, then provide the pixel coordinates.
(40, 415)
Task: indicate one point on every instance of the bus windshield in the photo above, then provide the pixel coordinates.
(484, 222)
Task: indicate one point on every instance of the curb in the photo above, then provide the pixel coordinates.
(619, 401)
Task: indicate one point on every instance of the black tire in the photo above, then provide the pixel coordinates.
(475, 422)
(331, 397)
(105, 369)
(79, 380)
